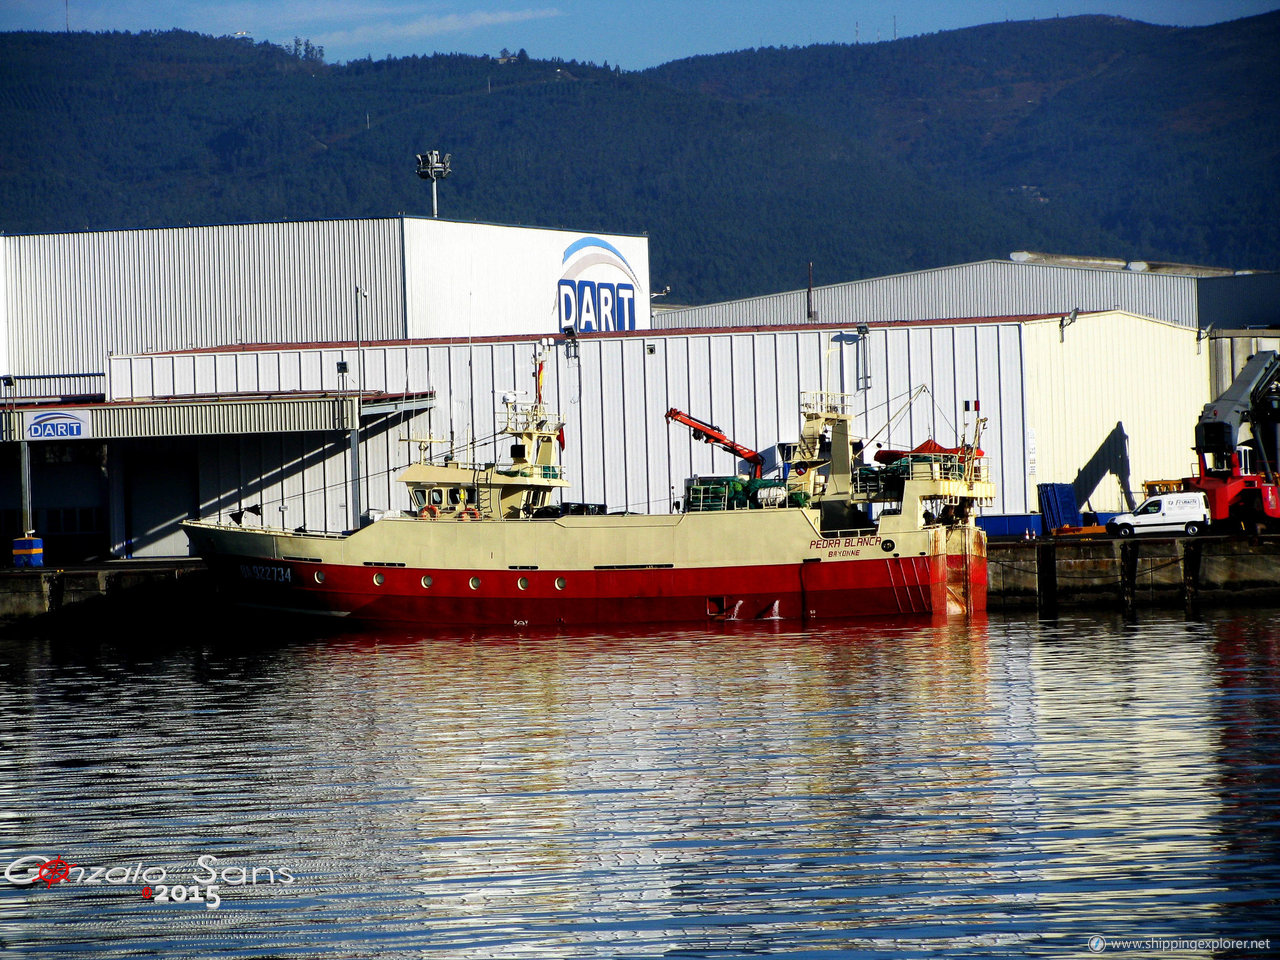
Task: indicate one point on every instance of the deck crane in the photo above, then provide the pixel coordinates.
(1240, 479)
(705, 431)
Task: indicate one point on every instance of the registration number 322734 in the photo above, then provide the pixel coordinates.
(266, 573)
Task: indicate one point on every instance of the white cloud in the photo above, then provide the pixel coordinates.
(339, 23)
(431, 25)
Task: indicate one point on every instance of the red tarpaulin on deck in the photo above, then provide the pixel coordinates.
(929, 446)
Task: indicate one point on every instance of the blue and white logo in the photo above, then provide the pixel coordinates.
(58, 425)
(597, 289)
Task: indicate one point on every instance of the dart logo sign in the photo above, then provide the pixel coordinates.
(58, 425)
(597, 289)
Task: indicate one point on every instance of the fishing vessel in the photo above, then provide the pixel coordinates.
(490, 544)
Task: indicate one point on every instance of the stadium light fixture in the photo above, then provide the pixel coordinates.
(433, 167)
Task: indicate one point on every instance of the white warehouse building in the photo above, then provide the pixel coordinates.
(1025, 284)
(205, 371)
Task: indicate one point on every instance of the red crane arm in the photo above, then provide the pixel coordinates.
(705, 431)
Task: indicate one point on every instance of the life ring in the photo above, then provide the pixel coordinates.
(469, 513)
(800, 471)
(429, 512)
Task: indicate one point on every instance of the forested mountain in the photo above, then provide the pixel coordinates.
(1084, 135)
(1166, 138)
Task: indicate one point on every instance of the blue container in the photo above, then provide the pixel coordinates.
(28, 552)
(1009, 525)
(1058, 506)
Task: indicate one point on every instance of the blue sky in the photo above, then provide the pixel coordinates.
(630, 33)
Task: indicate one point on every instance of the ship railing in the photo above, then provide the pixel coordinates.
(939, 466)
(869, 481)
(529, 418)
(823, 402)
(716, 499)
(543, 471)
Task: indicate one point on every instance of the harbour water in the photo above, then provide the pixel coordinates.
(1006, 787)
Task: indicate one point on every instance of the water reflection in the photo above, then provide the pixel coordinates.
(1246, 658)
(1005, 786)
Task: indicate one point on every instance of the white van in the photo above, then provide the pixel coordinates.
(1168, 513)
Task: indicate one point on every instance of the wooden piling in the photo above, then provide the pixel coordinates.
(1128, 577)
(1047, 578)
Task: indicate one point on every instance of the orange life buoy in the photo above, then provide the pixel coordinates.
(469, 513)
(429, 512)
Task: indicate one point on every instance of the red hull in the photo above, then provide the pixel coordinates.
(916, 586)
(967, 570)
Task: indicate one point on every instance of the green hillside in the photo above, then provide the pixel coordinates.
(742, 168)
(1167, 139)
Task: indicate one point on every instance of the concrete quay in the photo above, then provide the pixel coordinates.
(32, 592)
(1126, 574)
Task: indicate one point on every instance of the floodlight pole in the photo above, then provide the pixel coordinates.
(433, 167)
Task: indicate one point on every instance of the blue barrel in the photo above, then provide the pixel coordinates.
(28, 552)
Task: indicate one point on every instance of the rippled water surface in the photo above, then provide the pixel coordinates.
(1008, 787)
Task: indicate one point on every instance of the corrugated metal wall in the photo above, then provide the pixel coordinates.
(991, 288)
(219, 417)
(5, 313)
(305, 473)
(389, 368)
(71, 299)
(959, 363)
(1113, 401)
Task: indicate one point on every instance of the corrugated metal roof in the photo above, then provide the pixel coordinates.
(989, 288)
(208, 417)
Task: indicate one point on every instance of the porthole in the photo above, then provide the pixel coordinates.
(475, 583)
(887, 546)
(523, 583)
(319, 576)
(378, 579)
(426, 583)
(559, 583)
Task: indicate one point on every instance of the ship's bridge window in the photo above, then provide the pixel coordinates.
(435, 496)
(459, 495)
(419, 498)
